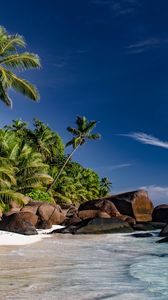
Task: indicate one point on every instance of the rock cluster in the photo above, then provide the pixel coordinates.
(35, 215)
(127, 212)
(118, 213)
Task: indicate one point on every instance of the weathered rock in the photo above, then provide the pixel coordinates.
(51, 214)
(97, 226)
(14, 206)
(160, 213)
(127, 219)
(28, 217)
(165, 240)
(43, 225)
(158, 225)
(30, 208)
(103, 214)
(10, 212)
(72, 220)
(22, 223)
(135, 204)
(88, 214)
(143, 226)
(164, 231)
(142, 235)
(71, 211)
(48, 212)
(103, 205)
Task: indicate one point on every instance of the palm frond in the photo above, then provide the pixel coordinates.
(10, 42)
(70, 143)
(7, 195)
(73, 130)
(81, 122)
(9, 79)
(25, 88)
(94, 136)
(4, 96)
(7, 173)
(22, 61)
(90, 125)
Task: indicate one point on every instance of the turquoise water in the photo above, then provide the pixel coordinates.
(88, 267)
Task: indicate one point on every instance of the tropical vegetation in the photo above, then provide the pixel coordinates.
(11, 60)
(33, 163)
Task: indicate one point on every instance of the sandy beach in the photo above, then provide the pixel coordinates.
(15, 239)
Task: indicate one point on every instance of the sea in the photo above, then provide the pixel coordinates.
(85, 267)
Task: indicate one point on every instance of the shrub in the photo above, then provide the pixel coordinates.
(38, 195)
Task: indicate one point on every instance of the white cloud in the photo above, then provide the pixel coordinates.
(158, 194)
(119, 7)
(145, 45)
(119, 166)
(147, 139)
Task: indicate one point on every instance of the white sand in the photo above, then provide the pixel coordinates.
(14, 239)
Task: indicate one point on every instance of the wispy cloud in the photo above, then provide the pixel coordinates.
(157, 193)
(145, 45)
(116, 167)
(119, 7)
(61, 61)
(147, 139)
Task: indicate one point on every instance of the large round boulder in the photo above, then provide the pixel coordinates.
(136, 204)
(103, 226)
(23, 223)
(160, 213)
(91, 209)
(50, 213)
(97, 226)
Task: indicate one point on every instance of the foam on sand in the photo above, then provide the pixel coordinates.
(15, 239)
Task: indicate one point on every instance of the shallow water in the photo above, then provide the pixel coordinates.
(86, 267)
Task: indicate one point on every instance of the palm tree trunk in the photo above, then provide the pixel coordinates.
(64, 165)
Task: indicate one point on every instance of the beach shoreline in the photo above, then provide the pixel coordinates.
(14, 239)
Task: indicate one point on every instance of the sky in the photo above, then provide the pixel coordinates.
(106, 60)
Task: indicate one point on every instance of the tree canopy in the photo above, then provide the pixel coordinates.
(31, 158)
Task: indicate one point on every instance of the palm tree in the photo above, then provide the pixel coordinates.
(47, 142)
(11, 60)
(21, 169)
(105, 185)
(80, 135)
(31, 171)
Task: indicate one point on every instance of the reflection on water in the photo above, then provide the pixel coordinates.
(81, 268)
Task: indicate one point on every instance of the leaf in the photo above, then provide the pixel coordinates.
(4, 96)
(9, 43)
(22, 61)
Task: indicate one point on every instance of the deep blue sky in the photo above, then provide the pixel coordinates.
(107, 60)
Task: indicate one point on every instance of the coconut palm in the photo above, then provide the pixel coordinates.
(11, 60)
(81, 134)
(31, 171)
(105, 185)
(21, 168)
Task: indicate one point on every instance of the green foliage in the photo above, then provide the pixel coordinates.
(81, 134)
(38, 195)
(31, 158)
(105, 185)
(11, 60)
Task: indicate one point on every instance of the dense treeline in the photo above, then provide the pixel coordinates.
(30, 160)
